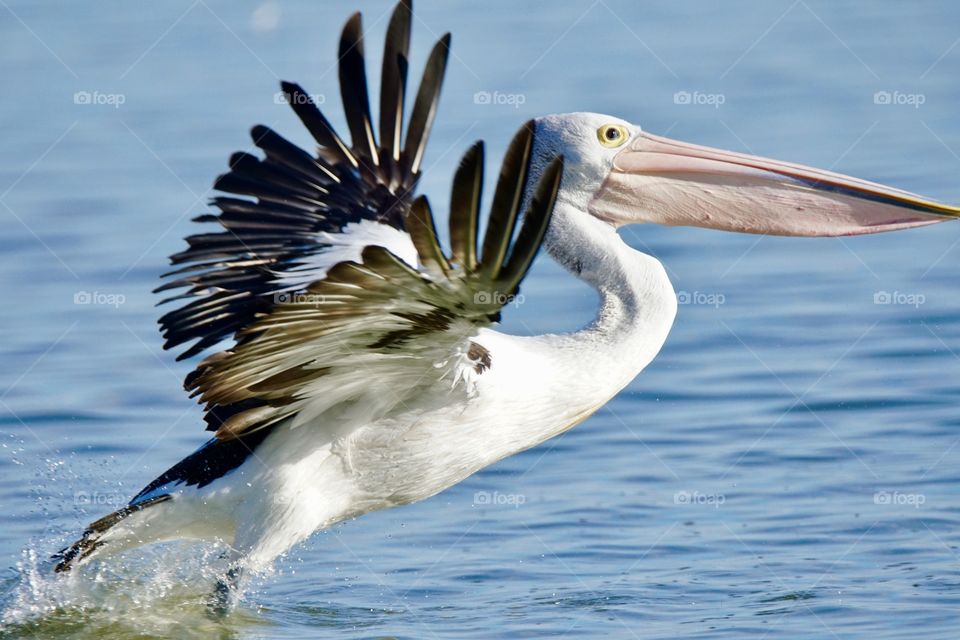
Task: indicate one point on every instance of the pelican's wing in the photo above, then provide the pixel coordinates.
(375, 331)
(298, 214)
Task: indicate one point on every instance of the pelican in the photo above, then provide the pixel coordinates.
(353, 364)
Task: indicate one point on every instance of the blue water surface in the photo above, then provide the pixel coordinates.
(787, 467)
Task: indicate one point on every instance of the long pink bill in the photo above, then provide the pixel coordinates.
(655, 179)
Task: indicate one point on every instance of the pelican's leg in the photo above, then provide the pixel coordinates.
(228, 588)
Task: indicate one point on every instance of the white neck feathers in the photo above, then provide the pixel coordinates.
(637, 301)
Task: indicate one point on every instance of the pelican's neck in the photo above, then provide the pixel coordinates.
(637, 301)
(549, 383)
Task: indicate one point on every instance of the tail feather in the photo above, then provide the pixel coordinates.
(91, 540)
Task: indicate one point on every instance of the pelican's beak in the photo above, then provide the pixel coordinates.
(656, 179)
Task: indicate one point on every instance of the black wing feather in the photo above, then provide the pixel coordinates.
(316, 123)
(425, 106)
(536, 219)
(393, 82)
(423, 232)
(506, 199)
(465, 208)
(353, 91)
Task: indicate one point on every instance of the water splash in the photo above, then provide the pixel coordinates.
(162, 591)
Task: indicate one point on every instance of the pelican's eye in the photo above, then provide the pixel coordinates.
(612, 135)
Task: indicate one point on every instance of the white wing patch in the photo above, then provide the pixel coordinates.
(347, 246)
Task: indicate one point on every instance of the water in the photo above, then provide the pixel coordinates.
(786, 468)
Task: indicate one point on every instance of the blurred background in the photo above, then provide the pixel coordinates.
(787, 466)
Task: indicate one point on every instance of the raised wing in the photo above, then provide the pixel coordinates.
(299, 214)
(375, 332)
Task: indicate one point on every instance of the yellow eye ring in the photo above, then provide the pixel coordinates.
(612, 135)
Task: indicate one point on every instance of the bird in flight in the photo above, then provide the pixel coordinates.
(352, 363)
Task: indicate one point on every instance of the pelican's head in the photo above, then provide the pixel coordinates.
(620, 174)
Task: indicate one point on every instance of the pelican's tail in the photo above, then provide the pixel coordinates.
(121, 530)
(175, 505)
